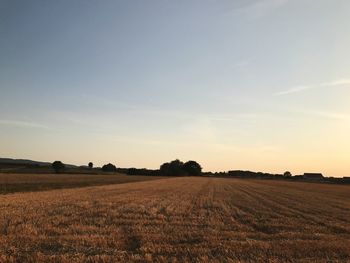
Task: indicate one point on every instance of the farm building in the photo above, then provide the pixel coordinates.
(313, 176)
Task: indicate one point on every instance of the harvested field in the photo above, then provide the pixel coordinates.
(10, 183)
(179, 220)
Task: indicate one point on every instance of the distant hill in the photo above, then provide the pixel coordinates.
(28, 162)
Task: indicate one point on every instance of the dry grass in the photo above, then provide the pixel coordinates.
(179, 220)
(10, 183)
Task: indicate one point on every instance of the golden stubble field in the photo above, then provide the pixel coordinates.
(16, 182)
(179, 220)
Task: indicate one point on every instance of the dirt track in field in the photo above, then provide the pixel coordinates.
(181, 220)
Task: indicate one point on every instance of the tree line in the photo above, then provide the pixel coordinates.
(189, 168)
(173, 168)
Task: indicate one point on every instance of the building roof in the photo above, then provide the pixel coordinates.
(313, 175)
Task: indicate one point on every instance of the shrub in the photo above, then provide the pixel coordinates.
(58, 166)
(109, 168)
(287, 174)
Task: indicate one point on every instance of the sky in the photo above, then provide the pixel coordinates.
(260, 85)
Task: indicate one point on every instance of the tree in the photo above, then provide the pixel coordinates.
(178, 168)
(58, 166)
(174, 168)
(109, 168)
(91, 165)
(192, 168)
(287, 174)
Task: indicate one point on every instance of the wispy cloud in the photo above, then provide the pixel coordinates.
(243, 63)
(338, 82)
(257, 8)
(296, 89)
(24, 124)
(327, 114)
(293, 90)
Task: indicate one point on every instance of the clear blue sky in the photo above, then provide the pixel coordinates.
(241, 84)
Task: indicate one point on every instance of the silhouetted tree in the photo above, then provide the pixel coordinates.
(192, 168)
(58, 166)
(174, 168)
(109, 168)
(91, 165)
(287, 174)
